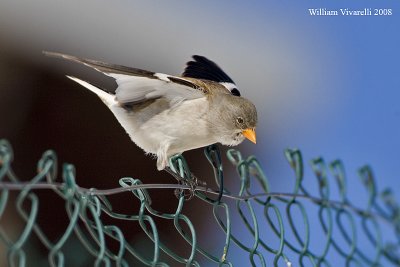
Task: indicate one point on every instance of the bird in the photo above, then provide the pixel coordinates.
(166, 115)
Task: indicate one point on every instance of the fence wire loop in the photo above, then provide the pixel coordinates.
(213, 154)
(263, 216)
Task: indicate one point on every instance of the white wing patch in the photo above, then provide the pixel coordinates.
(231, 87)
(228, 86)
(133, 89)
(162, 76)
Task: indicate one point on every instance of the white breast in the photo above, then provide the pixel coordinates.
(182, 127)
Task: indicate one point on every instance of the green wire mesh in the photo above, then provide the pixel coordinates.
(285, 215)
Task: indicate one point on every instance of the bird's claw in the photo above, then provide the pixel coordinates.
(193, 182)
(188, 195)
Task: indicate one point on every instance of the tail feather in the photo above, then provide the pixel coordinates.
(107, 98)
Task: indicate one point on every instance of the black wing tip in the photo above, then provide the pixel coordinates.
(235, 92)
(203, 68)
(200, 58)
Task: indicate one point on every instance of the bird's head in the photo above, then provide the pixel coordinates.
(238, 119)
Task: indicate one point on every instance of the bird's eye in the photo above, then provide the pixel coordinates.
(240, 120)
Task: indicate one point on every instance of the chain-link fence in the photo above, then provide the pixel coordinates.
(344, 230)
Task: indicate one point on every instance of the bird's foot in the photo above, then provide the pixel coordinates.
(192, 182)
(161, 163)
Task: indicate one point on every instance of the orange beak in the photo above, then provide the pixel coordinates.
(250, 134)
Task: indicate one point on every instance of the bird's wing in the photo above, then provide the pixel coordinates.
(137, 85)
(203, 68)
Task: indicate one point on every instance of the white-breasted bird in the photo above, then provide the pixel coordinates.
(166, 115)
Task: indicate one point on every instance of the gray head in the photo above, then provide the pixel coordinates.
(238, 118)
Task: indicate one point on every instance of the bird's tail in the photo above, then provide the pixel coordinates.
(107, 98)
